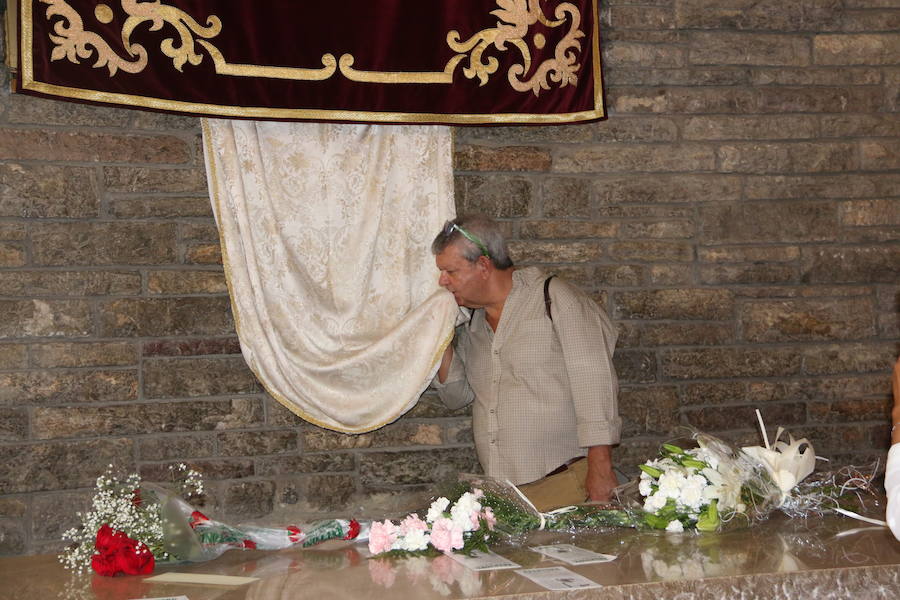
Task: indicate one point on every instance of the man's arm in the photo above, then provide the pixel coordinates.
(450, 380)
(446, 361)
(587, 339)
(601, 479)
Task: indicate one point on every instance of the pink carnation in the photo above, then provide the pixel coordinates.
(382, 536)
(446, 536)
(489, 518)
(412, 523)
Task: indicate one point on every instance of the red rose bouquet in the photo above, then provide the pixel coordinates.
(123, 532)
(118, 553)
(134, 526)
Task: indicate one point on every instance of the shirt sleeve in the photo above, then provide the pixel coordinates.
(455, 392)
(588, 340)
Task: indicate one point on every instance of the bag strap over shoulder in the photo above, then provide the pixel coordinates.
(547, 300)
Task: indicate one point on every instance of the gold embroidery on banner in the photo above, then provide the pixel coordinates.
(519, 16)
(445, 76)
(223, 67)
(103, 13)
(562, 68)
(73, 42)
(159, 14)
(516, 17)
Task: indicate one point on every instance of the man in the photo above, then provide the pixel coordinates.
(536, 363)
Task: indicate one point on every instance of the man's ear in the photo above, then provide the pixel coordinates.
(485, 264)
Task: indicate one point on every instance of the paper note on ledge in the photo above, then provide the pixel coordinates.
(572, 555)
(558, 578)
(201, 579)
(484, 561)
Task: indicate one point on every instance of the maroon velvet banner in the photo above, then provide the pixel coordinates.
(401, 61)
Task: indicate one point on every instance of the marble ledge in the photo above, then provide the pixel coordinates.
(828, 558)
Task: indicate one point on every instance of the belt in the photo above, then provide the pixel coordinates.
(564, 466)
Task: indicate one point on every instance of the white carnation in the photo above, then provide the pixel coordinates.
(670, 484)
(644, 487)
(413, 541)
(462, 512)
(675, 526)
(692, 492)
(654, 502)
(436, 511)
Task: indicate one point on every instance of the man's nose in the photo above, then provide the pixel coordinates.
(443, 280)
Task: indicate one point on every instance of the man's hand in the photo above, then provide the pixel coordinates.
(600, 477)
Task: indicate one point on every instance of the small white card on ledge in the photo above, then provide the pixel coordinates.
(558, 578)
(484, 561)
(572, 555)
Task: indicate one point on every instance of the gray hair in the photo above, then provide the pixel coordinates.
(484, 229)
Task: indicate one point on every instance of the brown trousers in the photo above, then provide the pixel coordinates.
(562, 489)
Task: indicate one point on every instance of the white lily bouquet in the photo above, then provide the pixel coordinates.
(699, 487)
(715, 486)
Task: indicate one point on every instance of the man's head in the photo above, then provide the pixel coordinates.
(469, 251)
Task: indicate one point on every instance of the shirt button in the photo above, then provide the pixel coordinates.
(493, 411)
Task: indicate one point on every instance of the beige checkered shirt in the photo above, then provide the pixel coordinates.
(543, 391)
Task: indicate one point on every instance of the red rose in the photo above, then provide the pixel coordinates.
(106, 539)
(250, 544)
(135, 559)
(103, 564)
(118, 553)
(353, 531)
(294, 534)
(197, 518)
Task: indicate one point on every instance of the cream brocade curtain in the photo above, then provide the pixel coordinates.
(326, 232)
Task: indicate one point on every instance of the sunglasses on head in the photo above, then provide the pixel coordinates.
(449, 226)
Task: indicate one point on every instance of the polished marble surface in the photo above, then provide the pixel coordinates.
(832, 557)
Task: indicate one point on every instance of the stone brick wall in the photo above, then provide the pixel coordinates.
(738, 216)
